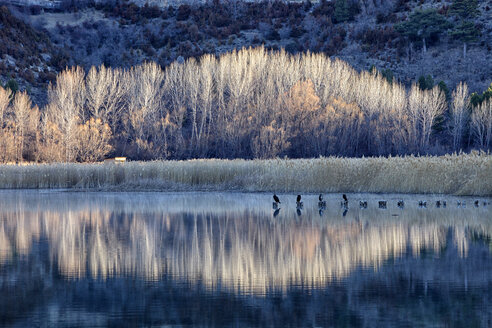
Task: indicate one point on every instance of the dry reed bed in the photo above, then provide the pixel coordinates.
(464, 174)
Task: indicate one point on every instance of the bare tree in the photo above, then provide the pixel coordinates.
(271, 141)
(93, 140)
(144, 108)
(414, 109)
(7, 142)
(20, 109)
(299, 107)
(66, 108)
(5, 95)
(459, 112)
(97, 90)
(433, 106)
(481, 122)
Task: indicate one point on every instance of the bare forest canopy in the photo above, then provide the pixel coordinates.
(251, 103)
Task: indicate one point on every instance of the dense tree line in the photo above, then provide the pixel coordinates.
(249, 103)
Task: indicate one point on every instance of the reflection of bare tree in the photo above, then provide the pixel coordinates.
(239, 249)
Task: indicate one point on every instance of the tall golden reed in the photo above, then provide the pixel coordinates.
(463, 174)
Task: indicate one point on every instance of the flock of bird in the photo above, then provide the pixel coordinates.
(382, 204)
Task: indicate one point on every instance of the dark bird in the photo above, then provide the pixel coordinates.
(345, 201)
(443, 203)
(382, 204)
(401, 203)
(477, 203)
(275, 198)
(438, 203)
(299, 203)
(320, 198)
(422, 203)
(363, 203)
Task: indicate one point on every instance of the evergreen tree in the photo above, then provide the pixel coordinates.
(426, 82)
(476, 99)
(466, 32)
(464, 8)
(442, 85)
(423, 25)
(342, 11)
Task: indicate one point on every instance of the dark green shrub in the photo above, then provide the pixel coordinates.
(345, 10)
(12, 85)
(426, 82)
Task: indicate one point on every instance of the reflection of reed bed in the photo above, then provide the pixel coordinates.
(451, 174)
(246, 250)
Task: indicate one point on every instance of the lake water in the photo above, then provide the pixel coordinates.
(228, 259)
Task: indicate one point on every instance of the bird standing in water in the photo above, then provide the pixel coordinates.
(321, 202)
(299, 203)
(345, 201)
(276, 201)
(275, 198)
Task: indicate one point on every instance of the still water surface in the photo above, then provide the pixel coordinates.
(228, 259)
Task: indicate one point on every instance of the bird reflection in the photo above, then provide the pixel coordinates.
(299, 212)
(345, 212)
(277, 211)
(321, 212)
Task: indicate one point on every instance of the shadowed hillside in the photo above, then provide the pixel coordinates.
(455, 46)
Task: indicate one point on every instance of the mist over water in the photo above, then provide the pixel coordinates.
(229, 259)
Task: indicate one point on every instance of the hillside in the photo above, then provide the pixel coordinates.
(381, 34)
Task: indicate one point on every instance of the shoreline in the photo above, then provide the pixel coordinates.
(328, 195)
(462, 175)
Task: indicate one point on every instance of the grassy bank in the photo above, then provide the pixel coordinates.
(469, 174)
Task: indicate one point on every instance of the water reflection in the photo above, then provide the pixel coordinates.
(236, 243)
